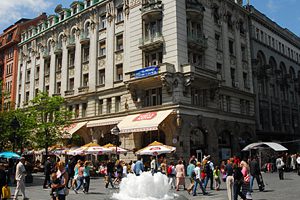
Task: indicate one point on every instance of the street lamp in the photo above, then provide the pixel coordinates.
(15, 125)
(116, 131)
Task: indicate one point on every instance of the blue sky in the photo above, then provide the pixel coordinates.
(284, 12)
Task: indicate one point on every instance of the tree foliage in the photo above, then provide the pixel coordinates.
(50, 116)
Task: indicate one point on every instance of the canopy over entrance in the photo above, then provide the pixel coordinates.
(143, 122)
(72, 128)
(104, 122)
(260, 145)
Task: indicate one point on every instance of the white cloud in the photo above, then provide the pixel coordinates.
(13, 10)
(272, 6)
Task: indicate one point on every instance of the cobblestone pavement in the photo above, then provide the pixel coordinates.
(287, 189)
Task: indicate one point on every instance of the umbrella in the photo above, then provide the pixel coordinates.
(155, 149)
(90, 148)
(8, 154)
(113, 148)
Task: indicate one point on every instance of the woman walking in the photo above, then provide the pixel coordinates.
(217, 174)
(86, 176)
(238, 182)
(180, 175)
(246, 184)
(61, 187)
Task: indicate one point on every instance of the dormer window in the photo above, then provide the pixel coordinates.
(62, 16)
(88, 3)
(74, 10)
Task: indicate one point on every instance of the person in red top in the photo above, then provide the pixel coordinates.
(236, 160)
(80, 177)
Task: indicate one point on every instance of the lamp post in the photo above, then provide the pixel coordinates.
(116, 131)
(15, 125)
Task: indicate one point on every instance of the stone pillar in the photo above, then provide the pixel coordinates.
(64, 68)
(42, 74)
(239, 65)
(226, 57)
(93, 58)
(52, 75)
(77, 76)
(113, 104)
(110, 69)
(32, 79)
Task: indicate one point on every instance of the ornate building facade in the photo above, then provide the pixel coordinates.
(178, 72)
(9, 40)
(276, 69)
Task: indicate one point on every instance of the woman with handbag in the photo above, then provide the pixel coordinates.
(4, 189)
(246, 184)
(62, 175)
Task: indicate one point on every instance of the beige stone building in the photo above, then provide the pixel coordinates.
(175, 71)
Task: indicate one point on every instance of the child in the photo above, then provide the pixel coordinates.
(54, 180)
(217, 177)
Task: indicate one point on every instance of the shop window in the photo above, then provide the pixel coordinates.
(151, 136)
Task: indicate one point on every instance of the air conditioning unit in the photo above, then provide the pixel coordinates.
(236, 84)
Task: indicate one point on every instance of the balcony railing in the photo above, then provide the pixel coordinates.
(83, 89)
(58, 48)
(197, 42)
(71, 42)
(85, 37)
(153, 42)
(69, 92)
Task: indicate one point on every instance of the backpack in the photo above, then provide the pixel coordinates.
(169, 171)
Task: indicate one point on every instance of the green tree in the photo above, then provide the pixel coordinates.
(50, 116)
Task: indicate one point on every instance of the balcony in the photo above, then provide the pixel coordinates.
(152, 9)
(84, 38)
(194, 8)
(58, 49)
(71, 43)
(153, 42)
(69, 92)
(46, 54)
(83, 89)
(197, 42)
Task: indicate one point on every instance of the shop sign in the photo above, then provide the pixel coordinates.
(145, 116)
(148, 71)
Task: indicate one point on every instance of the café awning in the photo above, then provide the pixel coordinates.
(143, 122)
(72, 128)
(259, 145)
(104, 122)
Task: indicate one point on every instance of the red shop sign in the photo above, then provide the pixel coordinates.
(145, 116)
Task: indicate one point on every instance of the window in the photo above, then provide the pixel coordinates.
(100, 107)
(247, 107)
(245, 79)
(71, 84)
(88, 3)
(199, 97)
(153, 58)
(74, 9)
(218, 42)
(85, 80)
(71, 58)
(153, 29)
(119, 42)
(102, 48)
(119, 70)
(37, 72)
(102, 24)
(47, 67)
(108, 106)
(76, 111)
(118, 104)
(58, 63)
(120, 14)
(231, 47)
(86, 53)
(261, 36)
(228, 103)
(47, 89)
(84, 108)
(153, 97)
(257, 33)
(10, 53)
(27, 75)
(101, 77)
(244, 55)
(242, 106)
(58, 87)
(9, 69)
(232, 75)
(219, 68)
(62, 16)
(26, 97)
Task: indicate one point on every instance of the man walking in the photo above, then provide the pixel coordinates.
(20, 178)
(255, 173)
(138, 167)
(280, 165)
(47, 171)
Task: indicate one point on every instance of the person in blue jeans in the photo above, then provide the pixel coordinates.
(197, 178)
(138, 167)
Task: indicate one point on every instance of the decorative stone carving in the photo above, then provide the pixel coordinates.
(119, 57)
(101, 63)
(126, 7)
(132, 91)
(167, 82)
(71, 72)
(187, 84)
(47, 80)
(135, 3)
(58, 76)
(110, 11)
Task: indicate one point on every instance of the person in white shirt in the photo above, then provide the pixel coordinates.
(153, 165)
(132, 167)
(197, 177)
(298, 163)
(20, 178)
(124, 169)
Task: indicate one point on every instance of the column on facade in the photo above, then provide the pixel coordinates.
(91, 107)
(226, 57)
(78, 68)
(32, 75)
(42, 74)
(104, 108)
(52, 75)
(113, 104)
(93, 58)
(21, 81)
(239, 65)
(64, 69)
(110, 69)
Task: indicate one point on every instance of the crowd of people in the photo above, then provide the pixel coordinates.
(238, 175)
